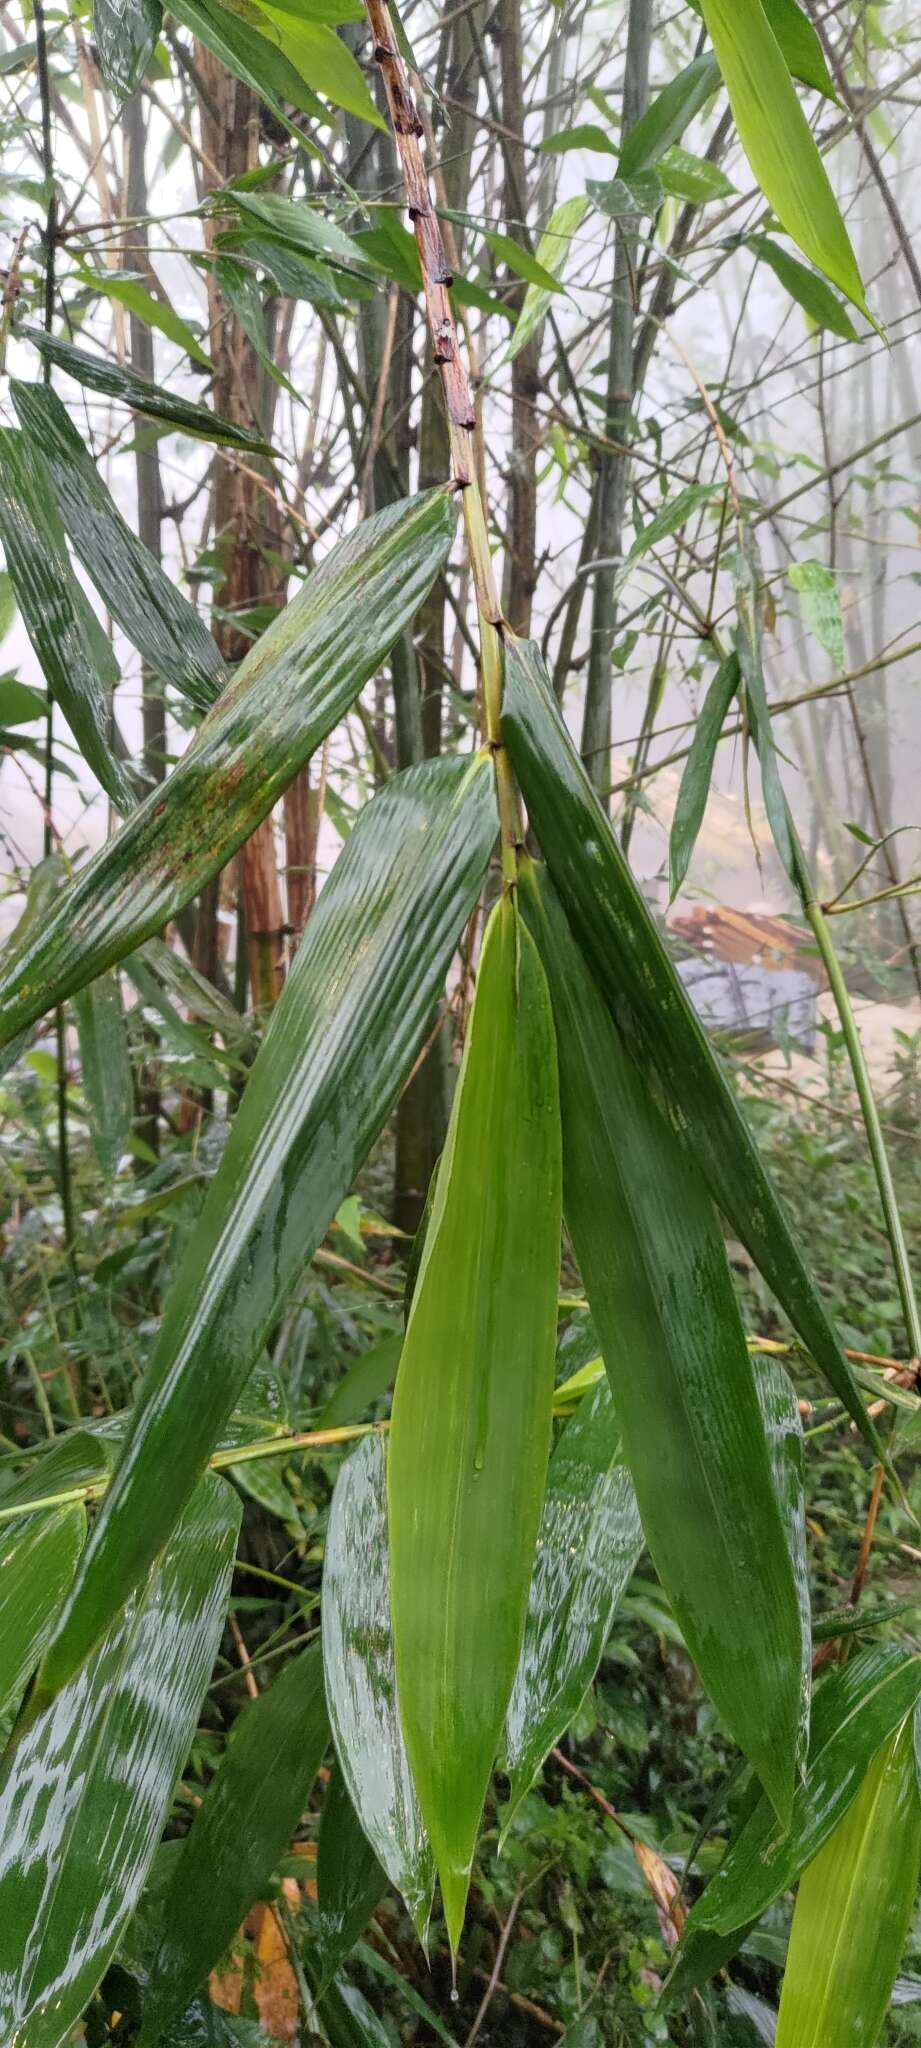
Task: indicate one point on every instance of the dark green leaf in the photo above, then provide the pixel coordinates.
(160, 622)
(698, 769)
(680, 1372)
(350, 1881)
(470, 1428)
(76, 657)
(367, 1379)
(100, 373)
(293, 687)
(748, 648)
(669, 114)
(76, 1460)
(306, 228)
(784, 1433)
(87, 1786)
(246, 1821)
(131, 293)
(799, 42)
(19, 703)
(522, 262)
(337, 1052)
(622, 946)
(251, 56)
(854, 1711)
(805, 286)
(37, 1559)
(588, 1545)
(361, 1680)
(125, 33)
(584, 135)
(105, 1069)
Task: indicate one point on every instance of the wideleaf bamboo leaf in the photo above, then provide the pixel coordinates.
(855, 1710)
(76, 657)
(588, 1544)
(691, 801)
(666, 1040)
(784, 1435)
(126, 34)
(654, 1267)
(113, 380)
(669, 114)
(293, 687)
(350, 1880)
(87, 1786)
(470, 1429)
(106, 1069)
(337, 1052)
(778, 141)
(252, 57)
(246, 1821)
(161, 623)
(853, 1911)
(37, 1560)
(361, 1679)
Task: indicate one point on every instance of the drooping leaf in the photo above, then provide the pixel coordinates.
(805, 286)
(800, 45)
(552, 252)
(161, 623)
(350, 1881)
(306, 228)
(694, 790)
(37, 1559)
(114, 380)
(522, 262)
(361, 1680)
(588, 1544)
(778, 141)
(294, 685)
(252, 57)
(77, 659)
(126, 33)
(470, 1428)
(77, 1460)
(662, 1301)
(853, 1911)
(669, 113)
(323, 60)
(784, 1435)
(855, 1709)
(133, 294)
(748, 649)
(661, 1030)
(19, 703)
(86, 1788)
(337, 1052)
(245, 1823)
(817, 587)
(105, 1068)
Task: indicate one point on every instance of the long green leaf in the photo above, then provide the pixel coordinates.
(296, 683)
(246, 1821)
(37, 1560)
(100, 373)
(105, 1068)
(340, 1045)
(129, 291)
(552, 254)
(855, 1710)
(799, 42)
(660, 1291)
(778, 141)
(622, 946)
(126, 33)
(853, 1911)
(77, 658)
(307, 229)
(698, 769)
(87, 1786)
(784, 1435)
(470, 1429)
(350, 1881)
(810, 291)
(252, 57)
(323, 60)
(669, 114)
(361, 1680)
(158, 620)
(588, 1544)
(77, 1459)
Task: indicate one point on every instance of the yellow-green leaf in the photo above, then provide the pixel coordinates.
(471, 1415)
(853, 1910)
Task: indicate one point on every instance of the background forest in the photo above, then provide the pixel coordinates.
(213, 341)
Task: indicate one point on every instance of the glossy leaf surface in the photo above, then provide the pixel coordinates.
(694, 789)
(589, 1542)
(250, 56)
(470, 1429)
(361, 1679)
(105, 1068)
(113, 380)
(622, 946)
(855, 1710)
(126, 33)
(778, 141)
(339, 1047)
(784, 1435)
(246, 1821)
(654, 1267)
(669, 114)
(76, 657)
(296, 683)
(350, 1881)
(75, 1459)
(87, 1787)
(161, 623)
(853, 1911)
(37, 1559)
